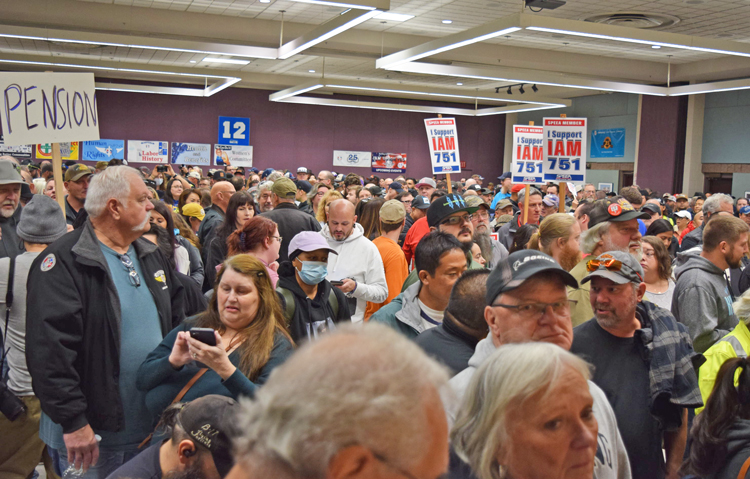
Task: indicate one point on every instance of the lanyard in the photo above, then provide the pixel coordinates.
(428, 319)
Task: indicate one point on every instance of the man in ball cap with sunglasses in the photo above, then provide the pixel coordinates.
(643, 360)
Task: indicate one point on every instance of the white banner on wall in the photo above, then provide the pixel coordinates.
(191, 154)
(352, 159)
(48, 107)
(155, 152)
(233, 155)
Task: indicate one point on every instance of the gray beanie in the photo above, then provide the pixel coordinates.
(41, 221)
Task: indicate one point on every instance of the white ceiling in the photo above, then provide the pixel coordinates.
(351, 55)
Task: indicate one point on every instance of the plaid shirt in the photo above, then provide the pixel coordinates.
(672, 364)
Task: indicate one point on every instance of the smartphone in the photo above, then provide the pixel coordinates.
(337, 283)
(204, 335)
(161, 169)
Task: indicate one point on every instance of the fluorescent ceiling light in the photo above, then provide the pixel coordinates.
(149, 89)
(637, 40)
(447, 22)
(394, 17)
(351, 19)
(230, 61)
(338, 4)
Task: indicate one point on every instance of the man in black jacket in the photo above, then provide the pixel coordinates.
(99, 300)
(286, 214)
(10, 209)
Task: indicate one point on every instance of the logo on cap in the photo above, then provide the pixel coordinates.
(614, 209)
(520, 263)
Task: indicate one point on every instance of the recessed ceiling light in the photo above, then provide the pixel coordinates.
(310, 71)
(655, 47)
(225, 60)
(459, 84)
(265, 1)
(447, 21)
(395, 17)
(193, 61)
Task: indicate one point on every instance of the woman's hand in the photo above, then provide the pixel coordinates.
(154, 173)
(215, 357)
(274, 266)
(180, 354)
(170, 170)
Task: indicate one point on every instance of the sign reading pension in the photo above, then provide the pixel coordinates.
(442, 137)
(191, 153)
(528, 155)
(565, 149)
(48, 107)
(154, 152)
(233, 155)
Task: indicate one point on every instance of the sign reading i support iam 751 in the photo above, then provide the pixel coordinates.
(528, 161)
(442, 137)
(565, 149)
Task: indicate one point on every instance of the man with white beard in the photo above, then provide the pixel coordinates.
(613, 226)
(492, 250)
(10, 210)
(100, 299)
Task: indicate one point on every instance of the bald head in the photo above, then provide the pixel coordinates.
(341, 219)
(311, 409)
(220, 194)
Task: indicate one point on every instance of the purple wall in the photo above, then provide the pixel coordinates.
(285, 136)
(661, 155)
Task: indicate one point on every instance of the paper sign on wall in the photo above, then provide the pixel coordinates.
(565, 149)
(233, 155)
(609, 143)
(352, 159)
(389, 162)
(48, 107)
(528, 155)
(442, 137)
(191, 154)
(103, 150)
(68, 151)
(154, 152)
(18, 152)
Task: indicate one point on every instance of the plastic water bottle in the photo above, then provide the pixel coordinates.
(71, 472)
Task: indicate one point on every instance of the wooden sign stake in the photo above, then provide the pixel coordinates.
(57, 173)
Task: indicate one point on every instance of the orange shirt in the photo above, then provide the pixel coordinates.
(396, 271)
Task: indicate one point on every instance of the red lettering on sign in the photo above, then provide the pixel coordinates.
(538, 153)
(559, 148)
(440, 144)
(450, 143)
(574, 148)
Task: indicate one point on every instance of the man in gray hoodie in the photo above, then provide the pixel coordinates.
(703, 298)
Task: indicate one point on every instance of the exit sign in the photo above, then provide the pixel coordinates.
(463, 165)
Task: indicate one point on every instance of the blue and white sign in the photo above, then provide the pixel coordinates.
(191, 154)
(442, 137)
(156, 152)
(608, 143)
(565, 149)
(103, 150)
(352, 159)
(234, 130)
(528, 162)
(233, 155)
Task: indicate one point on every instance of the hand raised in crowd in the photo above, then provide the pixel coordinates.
(180, 354)
(215, 357)
(348, 285)
(154, 172)
(170, 170)
(83, 448)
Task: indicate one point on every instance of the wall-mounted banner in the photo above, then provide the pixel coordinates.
(154, 152)
(68, 151)
(528, 155)
(352, 159)
(565, 149)
(233, 155)
(191, 154)
(103, 150)
(20, 152)
(389, 162)
(442, 136)
(48, 107)
(608, 143)
(234, 131)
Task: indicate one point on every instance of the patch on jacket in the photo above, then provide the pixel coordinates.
(49, 262)
(161, 277)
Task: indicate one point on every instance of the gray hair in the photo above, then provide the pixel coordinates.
(513, 374)
(114, 182)
(591, 237)
(363, 385)
(713, 203)
(266, 185)
(274, 176)
(521, 194)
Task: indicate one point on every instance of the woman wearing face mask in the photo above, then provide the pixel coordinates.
(311, 305)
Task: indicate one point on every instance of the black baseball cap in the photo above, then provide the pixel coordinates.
(303, 185)
(219, 176)
(420, 202)
(651, 207)
(504, 176)
(445, 206)
(520, 266)
(211, 422)
(474, 187)
(615, 209)
(396, 186)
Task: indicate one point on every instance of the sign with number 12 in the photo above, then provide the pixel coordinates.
(234, 131)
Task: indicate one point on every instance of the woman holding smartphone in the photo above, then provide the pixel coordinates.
(249, 334)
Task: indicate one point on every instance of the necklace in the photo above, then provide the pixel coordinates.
(658, 292)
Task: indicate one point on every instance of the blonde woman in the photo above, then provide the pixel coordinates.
(322, 213)
(559, 236)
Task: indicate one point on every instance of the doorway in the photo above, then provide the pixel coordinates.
(720, 184)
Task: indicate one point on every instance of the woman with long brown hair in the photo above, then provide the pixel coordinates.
(249, 336)
(260, 238)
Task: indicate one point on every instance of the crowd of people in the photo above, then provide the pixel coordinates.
(281, 324)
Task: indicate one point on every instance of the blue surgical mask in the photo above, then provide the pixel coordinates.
(159, 181)
(313, 272)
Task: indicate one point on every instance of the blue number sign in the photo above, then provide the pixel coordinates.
(234, 131)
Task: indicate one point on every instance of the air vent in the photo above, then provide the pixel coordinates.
(635, 20)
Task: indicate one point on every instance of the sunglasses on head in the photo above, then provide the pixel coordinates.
(610, 264)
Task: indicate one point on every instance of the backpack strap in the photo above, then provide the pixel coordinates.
(743, 470)
(333, 301)
(289, 304)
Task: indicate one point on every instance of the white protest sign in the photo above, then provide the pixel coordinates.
(528, 161)
(48, 108)
(565, 149)
(191, 153)
(352, 159)
(442, 136)
(233, 155)
(156, 152)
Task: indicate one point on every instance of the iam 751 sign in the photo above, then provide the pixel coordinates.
(442, 137)
(565, 149)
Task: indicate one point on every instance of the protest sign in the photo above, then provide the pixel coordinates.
(528, 161)
(103, 150)
(389, 162)
(68, 150)
(234, 131)
(442, 137)
(191, 154)
(20, 152)
(565, 149)
(154, 152)
(233, 155)
(352, 159)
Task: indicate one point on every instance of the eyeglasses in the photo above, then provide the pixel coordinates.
(536, 310)
(610, 264)
(135, 280)
(457, 220)
(403, 472)
(649, 254)
(278, 238)
(481, 215)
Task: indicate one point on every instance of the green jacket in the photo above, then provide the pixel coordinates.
(733, 345)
